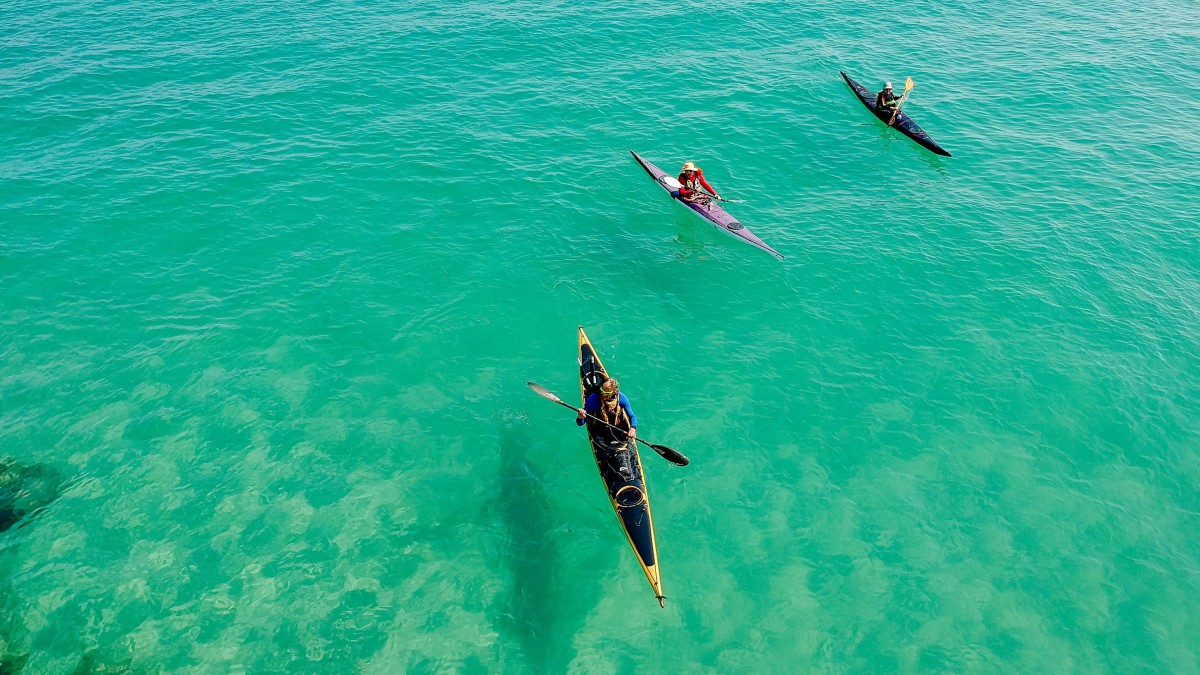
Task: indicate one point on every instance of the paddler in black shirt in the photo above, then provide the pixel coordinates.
(885, 102)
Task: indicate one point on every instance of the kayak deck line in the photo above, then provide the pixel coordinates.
(903, 123)
(711, 212)
(622, 475)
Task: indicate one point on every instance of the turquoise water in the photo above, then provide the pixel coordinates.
(273, 277)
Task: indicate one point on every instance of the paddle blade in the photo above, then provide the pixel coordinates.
(542, 391)
(670, 454)
(908, 85)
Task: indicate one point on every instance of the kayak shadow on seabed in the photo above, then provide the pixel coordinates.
(26, 490)
(688, 245)
(529, 611)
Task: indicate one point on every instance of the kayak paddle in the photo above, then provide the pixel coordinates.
(908, 86)
(729, 201)
(674, 184)
(670, 454)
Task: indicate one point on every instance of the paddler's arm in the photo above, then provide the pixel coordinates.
(624, 401)
(704, 183)
(590, 406)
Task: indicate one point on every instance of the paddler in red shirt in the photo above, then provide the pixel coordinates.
(692, 179)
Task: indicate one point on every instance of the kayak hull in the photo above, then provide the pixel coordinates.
(904, 124)
(711, 213)
(621, 470)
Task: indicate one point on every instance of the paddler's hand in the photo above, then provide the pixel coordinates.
(718, 196)
(580, 417)
(632, 435)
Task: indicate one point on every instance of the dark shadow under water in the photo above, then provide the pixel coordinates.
(26, 490)
(529, 613)
(889, 137)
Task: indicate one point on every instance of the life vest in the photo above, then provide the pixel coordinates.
(693, 183)
(615, 417)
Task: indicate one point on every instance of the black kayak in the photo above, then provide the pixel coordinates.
(621, 469)
(904, 124)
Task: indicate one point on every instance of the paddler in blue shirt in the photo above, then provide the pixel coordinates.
(611, 406)
(885, 102)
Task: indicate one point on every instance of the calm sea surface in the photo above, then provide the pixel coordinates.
(273, 277)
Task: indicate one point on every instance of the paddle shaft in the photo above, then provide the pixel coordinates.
(720, 199)
(672, 184)
(670, 454)
(597, 419)
(908, 87)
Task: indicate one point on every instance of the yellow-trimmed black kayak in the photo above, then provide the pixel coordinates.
(620, 468)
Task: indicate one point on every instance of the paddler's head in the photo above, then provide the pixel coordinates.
(609, 392)
(887, 86)
(688, 167)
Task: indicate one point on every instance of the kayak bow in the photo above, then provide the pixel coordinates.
(621, 471)
(710, 212)
(904, 124)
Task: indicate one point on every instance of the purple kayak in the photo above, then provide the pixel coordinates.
(710, 212)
